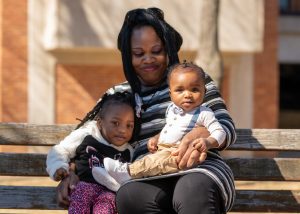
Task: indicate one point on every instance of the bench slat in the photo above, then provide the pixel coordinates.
(267, 201)
(22, 164)
(28, 197)
(24, 197)
(248, 139)
(243, 169)
(30, 134)
(276, 169)
(267, 139)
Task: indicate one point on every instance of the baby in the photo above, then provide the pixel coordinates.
(187, 90)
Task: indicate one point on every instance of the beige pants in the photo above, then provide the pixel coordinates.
(160, 162)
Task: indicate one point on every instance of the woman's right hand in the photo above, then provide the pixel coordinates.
(64, 188)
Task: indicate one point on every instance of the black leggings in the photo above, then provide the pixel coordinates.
(189, 194)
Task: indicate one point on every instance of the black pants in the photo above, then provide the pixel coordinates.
(189, 194)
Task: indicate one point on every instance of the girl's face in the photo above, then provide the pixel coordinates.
(117, 124)
(148, 54)
(187, 89)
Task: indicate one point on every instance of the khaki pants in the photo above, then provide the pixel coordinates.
(160, 162)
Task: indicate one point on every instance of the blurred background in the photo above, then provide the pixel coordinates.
(57, 57)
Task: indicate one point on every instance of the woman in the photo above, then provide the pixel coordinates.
(149, 45)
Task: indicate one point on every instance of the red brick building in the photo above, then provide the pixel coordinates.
(58, 85)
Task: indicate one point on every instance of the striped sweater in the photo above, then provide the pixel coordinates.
(155, 102)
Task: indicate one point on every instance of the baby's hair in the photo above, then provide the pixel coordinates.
(186, 66)
(106, 100)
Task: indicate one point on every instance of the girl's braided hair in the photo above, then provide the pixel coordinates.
(153, 17)
(111, 99)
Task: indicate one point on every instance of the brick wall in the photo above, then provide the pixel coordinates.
(224, 87)
(79, 87)
(266, 76)
(13, 62)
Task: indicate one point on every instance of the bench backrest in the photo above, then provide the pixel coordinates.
(263, 167)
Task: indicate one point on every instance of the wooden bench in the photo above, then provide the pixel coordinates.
(262, 168)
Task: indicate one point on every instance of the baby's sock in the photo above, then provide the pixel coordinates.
(117, 169)
(102, 177)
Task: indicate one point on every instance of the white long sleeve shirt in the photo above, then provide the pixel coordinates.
(178, 122)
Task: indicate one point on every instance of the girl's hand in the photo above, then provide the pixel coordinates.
(64, 188)
(60, 174)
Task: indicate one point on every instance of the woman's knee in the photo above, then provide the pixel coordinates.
(197, 191)
(143, 197)
(123, 198)
(129, 198)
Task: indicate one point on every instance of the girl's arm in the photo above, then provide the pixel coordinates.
(59, 156)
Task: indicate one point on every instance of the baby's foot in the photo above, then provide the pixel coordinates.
(102, 177)
(117, 169)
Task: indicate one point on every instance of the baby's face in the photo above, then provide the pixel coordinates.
(187, 89)
(117, 124)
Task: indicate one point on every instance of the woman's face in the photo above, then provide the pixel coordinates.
(149, 58)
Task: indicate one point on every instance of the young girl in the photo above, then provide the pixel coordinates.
(187, 90)
(106, 136)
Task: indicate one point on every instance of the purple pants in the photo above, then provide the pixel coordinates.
(92, 198)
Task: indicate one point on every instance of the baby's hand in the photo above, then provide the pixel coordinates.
(201, 144)
(60, 174)
(152, 144)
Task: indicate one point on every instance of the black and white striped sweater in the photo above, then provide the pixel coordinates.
(155, 102)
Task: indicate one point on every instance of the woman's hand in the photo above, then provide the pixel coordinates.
(187, 155)
(204, 144)
(65, 186)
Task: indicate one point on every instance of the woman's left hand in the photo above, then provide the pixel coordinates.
(187, 155)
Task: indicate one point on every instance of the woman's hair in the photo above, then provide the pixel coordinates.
(153, 17)
(106, 101)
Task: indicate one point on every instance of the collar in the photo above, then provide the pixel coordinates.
(178, 110)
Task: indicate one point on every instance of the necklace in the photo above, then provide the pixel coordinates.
(142, 103)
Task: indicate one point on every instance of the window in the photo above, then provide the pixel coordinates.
(289, 96)
(289, 7)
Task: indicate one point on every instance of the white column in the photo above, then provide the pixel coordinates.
(241, 89)
(41, 68)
